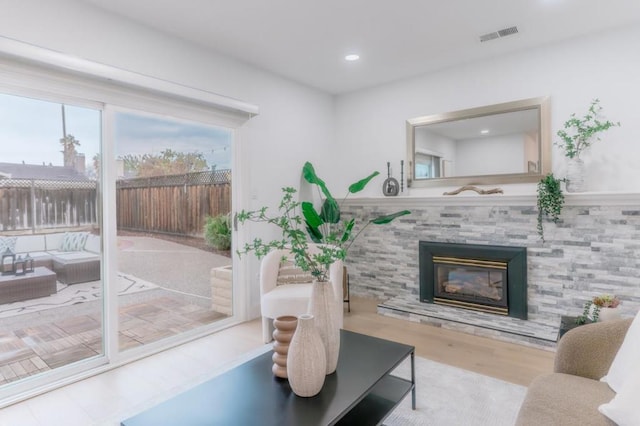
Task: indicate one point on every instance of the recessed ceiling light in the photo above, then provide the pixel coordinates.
(484, 132)
(352, 57)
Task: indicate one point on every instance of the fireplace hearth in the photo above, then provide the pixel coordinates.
(484, 278)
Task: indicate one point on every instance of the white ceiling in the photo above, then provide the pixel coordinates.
(306, 40)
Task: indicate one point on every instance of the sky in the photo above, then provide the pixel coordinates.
(30, 131)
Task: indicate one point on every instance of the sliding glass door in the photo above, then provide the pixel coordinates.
(173, 199)
(51, 287)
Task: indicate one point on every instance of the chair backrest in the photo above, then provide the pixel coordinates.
(278, 268)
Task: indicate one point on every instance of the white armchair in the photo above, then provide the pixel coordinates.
(290, 299)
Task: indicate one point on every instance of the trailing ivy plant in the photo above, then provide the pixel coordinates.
(579, 133)
(550, 201)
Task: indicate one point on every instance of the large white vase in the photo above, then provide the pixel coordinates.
(306, 359)
(608, 314)
(575, 175)
(322, 306)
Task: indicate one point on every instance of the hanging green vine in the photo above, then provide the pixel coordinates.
(550, 201)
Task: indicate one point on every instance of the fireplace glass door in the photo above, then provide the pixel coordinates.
(467, 282)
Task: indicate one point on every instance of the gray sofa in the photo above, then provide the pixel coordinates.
(572, 393)
(71, 265)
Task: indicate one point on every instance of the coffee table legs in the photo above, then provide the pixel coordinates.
(413, 381)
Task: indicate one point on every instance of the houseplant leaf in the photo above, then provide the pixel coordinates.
(359, 185)
(312, 217)
(382, 220)
(330, 211)
(309, 174)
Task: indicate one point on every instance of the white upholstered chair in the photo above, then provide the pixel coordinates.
(284, 297)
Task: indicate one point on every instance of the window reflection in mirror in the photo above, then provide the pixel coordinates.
(494, 144)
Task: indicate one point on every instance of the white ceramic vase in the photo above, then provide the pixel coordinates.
(306, 360)
(322, 306)
(608, 314)
(575, 175)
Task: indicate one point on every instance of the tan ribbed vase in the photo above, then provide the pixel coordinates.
(284, 327)
(306, 361)
(323, 307)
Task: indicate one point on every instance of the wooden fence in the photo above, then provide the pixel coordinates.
(177, 204)
(28, 205)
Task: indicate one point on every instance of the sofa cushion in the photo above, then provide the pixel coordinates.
(93, 244)
(623, 408)
(30, 244)
(73, 241)
(8, 243)
(627, 357)
(564, 400)
(73, 255)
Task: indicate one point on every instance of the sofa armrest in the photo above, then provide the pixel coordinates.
(589, 350)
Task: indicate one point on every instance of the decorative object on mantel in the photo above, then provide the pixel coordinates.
(476, 189)
(600, 308)
(390, 186)
(550, 201)
(306, 359)
(578, 135)
(284, 327)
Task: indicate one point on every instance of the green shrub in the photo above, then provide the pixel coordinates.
(217, 231)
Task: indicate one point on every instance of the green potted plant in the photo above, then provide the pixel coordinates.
(578, 134)
(292, 220)
(600, 308)
(326, 226)
(217, 231)
(550, 201)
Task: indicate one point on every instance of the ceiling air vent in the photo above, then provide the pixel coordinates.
(497, 34)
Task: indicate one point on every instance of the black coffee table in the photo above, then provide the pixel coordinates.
(361, 392)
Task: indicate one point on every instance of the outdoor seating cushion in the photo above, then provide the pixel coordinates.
(93, 244)
(30, 244)
(73, 241)
(7, 243)
(73, 255)
(286, 299)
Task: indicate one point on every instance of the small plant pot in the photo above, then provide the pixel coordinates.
(609, 314)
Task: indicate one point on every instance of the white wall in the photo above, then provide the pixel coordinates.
(294, 124)
(481, 156)
(605, 66)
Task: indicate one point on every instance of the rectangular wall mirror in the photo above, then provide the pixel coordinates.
(494, 144)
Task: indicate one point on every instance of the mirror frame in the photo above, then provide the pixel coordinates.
(542, 104)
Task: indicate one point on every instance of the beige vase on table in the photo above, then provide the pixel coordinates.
(323, 307)
(306, 361)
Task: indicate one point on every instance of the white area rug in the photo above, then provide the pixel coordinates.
(450, 396)
(68, 295)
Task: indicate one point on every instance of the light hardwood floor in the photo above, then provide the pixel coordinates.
(506, 361)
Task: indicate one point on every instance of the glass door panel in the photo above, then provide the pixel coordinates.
(173, 198)
(51, 290)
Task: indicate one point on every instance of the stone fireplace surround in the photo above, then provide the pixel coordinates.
(595, 249)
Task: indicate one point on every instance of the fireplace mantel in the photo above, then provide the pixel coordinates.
(571, 199)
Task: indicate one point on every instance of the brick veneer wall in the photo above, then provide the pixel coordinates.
(594, 249)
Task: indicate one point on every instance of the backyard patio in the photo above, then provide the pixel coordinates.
(164, 288)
